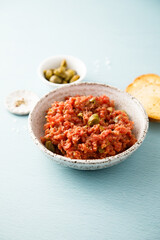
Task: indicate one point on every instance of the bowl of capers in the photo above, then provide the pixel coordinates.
(62, 69)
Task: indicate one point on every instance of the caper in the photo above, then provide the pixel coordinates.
(60, 72)
(62, 69)
(94, 119)
(49, 145)
(101, 150)
(48, 73)
(55, 79)
(64, 63)
(74, 78)
(69, 74)
(80, 115)
(64, 82)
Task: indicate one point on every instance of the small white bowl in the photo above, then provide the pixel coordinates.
(54, 62)
(122, 100)
(30, 99)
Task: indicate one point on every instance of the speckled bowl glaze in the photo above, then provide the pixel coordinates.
(122, 100)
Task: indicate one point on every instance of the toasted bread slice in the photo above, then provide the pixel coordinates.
(146, 89)
(152, 78)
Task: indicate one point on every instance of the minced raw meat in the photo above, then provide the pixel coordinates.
(68, 128)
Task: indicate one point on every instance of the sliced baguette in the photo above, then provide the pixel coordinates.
(146, 89)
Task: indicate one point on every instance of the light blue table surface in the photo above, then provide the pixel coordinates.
(40, 200)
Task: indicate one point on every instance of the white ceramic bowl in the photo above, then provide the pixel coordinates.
(54, 62)
(122, 100)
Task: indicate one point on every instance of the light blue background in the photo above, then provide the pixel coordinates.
(40, 200)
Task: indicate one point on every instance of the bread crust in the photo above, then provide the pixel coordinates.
(146, 88)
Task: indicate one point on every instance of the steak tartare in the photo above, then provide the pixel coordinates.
(87, 127)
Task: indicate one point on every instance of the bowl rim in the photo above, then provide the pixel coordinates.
(124, 154)
(60, 56)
